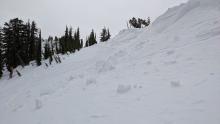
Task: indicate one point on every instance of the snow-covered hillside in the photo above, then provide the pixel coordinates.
(166, 74)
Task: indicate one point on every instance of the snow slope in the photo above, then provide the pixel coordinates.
(166, 74)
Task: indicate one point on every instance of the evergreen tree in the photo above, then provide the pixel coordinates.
(19, 41)
(50, 41)
(47, 50)
(81, 43)
(146, 23)
(33, 39)
(62, 45)
(92, 39)
(105, 35)
(134, 22)
(66, 37)
(1, 53)
(77, 40)
(14, 41)
(139, 23)
(28, 36)
(70, 40)
(38, 57)
(57, 45)
(87, 42)
(108, 34)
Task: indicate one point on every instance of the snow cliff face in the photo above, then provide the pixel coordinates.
(168, 73)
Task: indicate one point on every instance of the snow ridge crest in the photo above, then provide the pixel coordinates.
(207, 2)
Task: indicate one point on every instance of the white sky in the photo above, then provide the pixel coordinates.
(53, 15)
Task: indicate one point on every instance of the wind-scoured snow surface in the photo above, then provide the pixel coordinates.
(166, 74)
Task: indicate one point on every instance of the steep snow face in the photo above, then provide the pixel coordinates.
(168, 73)
(174, 14)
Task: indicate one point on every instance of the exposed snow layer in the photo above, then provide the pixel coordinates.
(167, 74)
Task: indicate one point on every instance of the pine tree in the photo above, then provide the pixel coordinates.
(22, 55)
(92, 38)
(108, 34)
(63, 42)
(46, 50)
(14, 40)
(146, 23)
(70, 40)
(19, 43)
(1, 53)
(77, 40)
(38, 57)
(81, 43)
(66, 37)
(105, 35)
(87, 42)
(134, 22)
(62, 45)
(57, 45)
(28, 36)
(50, 41)
(139, 23)
(33, 39)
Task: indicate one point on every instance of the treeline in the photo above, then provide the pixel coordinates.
(21, 43)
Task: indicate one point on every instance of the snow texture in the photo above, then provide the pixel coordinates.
(168, 73)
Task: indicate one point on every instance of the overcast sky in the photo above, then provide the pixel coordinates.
(53, 15)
